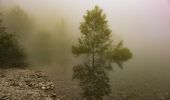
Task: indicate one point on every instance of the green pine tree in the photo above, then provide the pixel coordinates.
(97, 54)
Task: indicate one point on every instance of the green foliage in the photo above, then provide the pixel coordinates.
(95, 45)
(11, 54)
(120, 54)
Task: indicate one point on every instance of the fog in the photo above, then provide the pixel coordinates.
(143, 25)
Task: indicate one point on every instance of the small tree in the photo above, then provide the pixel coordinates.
(95, 45)
(11, 54)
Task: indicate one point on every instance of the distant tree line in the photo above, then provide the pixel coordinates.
(40, 45)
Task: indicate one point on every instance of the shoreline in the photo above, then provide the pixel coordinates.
(25, 84)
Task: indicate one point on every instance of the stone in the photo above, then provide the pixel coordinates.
(48, 98)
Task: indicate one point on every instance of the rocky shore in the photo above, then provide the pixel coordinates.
(25, 84)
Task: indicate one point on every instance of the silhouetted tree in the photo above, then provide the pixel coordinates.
(11, 54)
(19, 22)
(98, 54)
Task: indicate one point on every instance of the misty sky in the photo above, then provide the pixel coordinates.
(144, 25)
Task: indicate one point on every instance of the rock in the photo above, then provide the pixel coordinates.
(13, 83)
(53, 95)
(2, 75)
(48, 98)
(4, 96)
(46, 86)
(43, 88)
(50, 85)
(40, 74)
(24, 84)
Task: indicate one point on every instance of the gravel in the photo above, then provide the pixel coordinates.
(25, 84)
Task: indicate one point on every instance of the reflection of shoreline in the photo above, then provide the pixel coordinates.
(142, 86)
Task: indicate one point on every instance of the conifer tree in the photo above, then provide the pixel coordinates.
(19, 22)
(11, 54)
(97, 54)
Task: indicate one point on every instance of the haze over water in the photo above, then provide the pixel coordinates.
(143, 25)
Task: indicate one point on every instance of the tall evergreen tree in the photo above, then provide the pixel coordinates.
(11, 54)
(98, 54)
